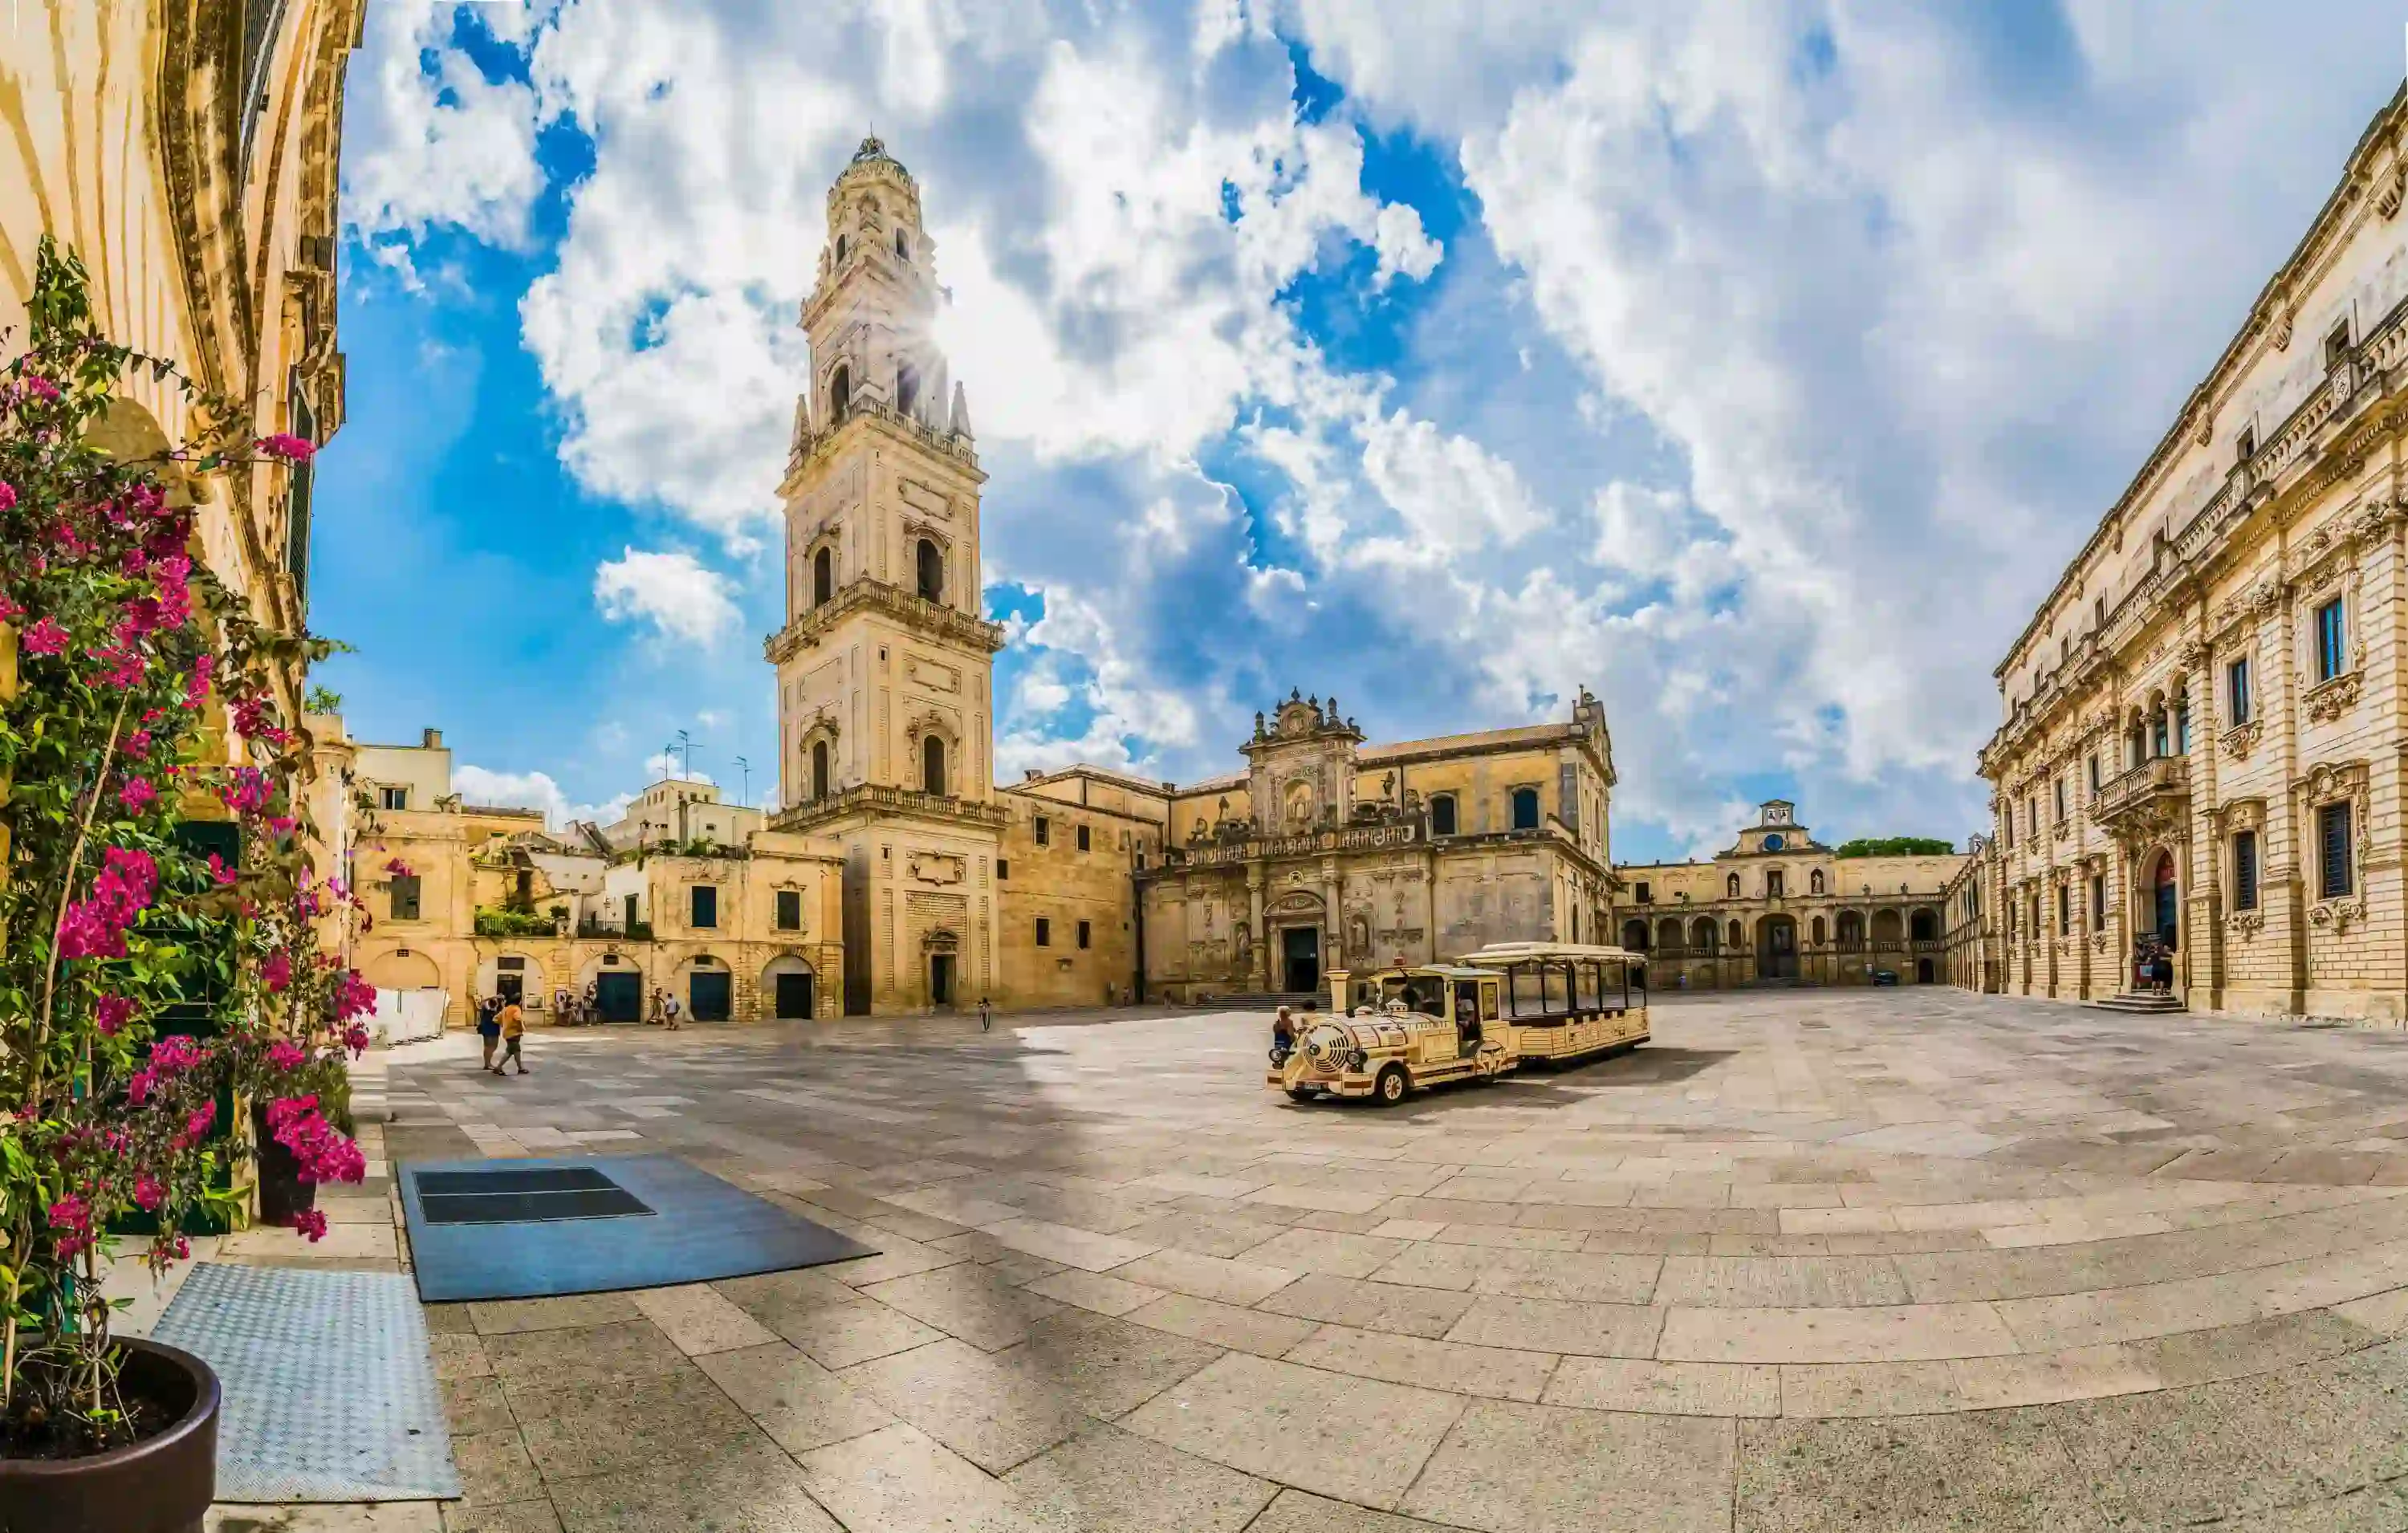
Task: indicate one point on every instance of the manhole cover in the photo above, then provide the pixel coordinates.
(532, 1195)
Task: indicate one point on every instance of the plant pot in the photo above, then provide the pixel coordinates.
(161, 1485)
(282, 1194)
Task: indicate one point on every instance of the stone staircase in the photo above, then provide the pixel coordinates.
(2143, 1001)
(1266, 1000)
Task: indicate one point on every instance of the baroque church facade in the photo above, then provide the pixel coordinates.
(1087, 886)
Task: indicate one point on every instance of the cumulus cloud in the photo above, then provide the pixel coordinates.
(533, 791)
(673, 591)
(1786, 353)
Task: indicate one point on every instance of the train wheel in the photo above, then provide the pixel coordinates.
(1389, 1089)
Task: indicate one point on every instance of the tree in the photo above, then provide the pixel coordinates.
(1895, 846)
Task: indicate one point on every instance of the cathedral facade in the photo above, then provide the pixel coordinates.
(1086, 886)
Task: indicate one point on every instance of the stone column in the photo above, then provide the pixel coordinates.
(1333, 920)
(1254, 873)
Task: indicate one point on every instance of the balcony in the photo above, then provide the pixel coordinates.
(870, 797)
(2152, 793)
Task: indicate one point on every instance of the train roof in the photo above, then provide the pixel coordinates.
(1513, 952)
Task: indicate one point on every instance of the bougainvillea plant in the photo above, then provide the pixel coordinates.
(163, 959)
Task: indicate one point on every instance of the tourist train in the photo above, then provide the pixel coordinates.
(1402, 1028)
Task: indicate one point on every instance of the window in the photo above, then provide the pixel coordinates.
(2161, 738)
(906, 377)
(1772, 884)
(1044, 932)
(1525, 808)
(932, 766)
(2335, 877)
(840, 393)
(1646, 896)
(823, 577)
(392, 798)
(840, 243)
(2236, 690)
(405, 897)
(2007, 823)
(2094, 771)
(2097, 915)
(2031, 815)
(1003, 869)
(1818, 931)
(932, 570)
(2332, 654)
(1083, 842)
(819, 769)
(2035, 915)
(790, 909)
(1044, 831)
(2244, 870)
(1085, 934)
(2182, 729)
(903, 242)
(2337, 346)
(299, 479)
(706, 907)
(1443, 815)
(2056, 785)
(2064, 911)
(2245, 447)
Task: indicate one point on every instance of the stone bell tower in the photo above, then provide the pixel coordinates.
(884, 665)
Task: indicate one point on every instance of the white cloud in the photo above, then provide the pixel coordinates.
(533, 791)
(672, 763)
(441, 146)
(674, 592)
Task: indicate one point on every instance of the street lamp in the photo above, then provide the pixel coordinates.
(746, 767)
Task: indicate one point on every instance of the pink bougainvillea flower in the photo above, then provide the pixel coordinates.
(197, 1125)
(247, 791)
(286, 1055)
(110, 1013)
(138, 795)
(222, 871)
(123, 665)
(9, 610)
(286, 446)
(137, 745)
(397, 867)
(37, 387)
(8, 496)
(276, 971)
(45, 637)
(353, 996)
(176, 1053)
(311, 1222)
(196, 686)
(147, 1193)
(356, 1038)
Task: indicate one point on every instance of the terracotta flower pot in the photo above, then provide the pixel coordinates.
(161, 1485)
(282, 1194)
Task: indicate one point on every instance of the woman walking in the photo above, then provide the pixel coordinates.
(488, 1030)
(513, 1025)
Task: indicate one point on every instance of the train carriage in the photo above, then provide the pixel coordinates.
(1566, 1001)
(1395, 1030)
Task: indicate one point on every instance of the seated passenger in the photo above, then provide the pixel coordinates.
(1282, 1034)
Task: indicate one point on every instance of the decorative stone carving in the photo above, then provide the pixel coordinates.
(2327, 700)
(2244, 926)
(937, 867)
(2239, 741)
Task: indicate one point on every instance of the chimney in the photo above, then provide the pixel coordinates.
(431, 740)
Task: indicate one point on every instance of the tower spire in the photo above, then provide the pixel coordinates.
(961, 412)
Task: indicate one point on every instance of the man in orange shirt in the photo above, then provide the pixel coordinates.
(513, 1023)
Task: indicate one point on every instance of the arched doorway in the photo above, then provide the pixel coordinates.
(1634, 936)
(1922, 972)
(791, 987)
(2165, 902)
(1776, 948)
(618, 985)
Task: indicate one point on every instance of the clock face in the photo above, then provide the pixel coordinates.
(1774, 843)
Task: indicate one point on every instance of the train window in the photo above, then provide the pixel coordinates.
(1558, 988)
(1584, 986)
(1527, 1000)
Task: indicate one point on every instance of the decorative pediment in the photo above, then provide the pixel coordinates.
(932, 721)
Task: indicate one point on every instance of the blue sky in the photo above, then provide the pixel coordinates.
(1756, 369)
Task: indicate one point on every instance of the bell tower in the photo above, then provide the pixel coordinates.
(886, 664)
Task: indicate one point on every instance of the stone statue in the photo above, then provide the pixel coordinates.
(1388, 786)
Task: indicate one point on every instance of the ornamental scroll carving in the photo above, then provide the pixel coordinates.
(2239, 741)
(2331, 699)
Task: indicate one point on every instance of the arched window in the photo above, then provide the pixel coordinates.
(1814, 886)
(932, 570)
(1634, 936)
(840, 245)
(823, 577)
(907, 388)
(902, 242)
(1852, 929)
(819, 769)
(1923, 928)
(1730, 887)
(1667, 932)
(1817, 927)
(839, 392)
(932, 765)
(1525, 808)
(1738, 938)
(1704, 935)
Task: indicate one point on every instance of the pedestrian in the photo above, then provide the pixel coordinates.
(488, 1029)
(2162, 970)
(986, 1015)
(669, 1011)
(514, 1024)
(658, 1015)
(1282, 1034)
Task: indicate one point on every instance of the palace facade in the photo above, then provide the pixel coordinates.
(2201, 742)
(1779, 905)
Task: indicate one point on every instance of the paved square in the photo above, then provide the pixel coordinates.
(1905, 1259)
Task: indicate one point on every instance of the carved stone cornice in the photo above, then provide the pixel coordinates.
(910, 609)
(2242, 738)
